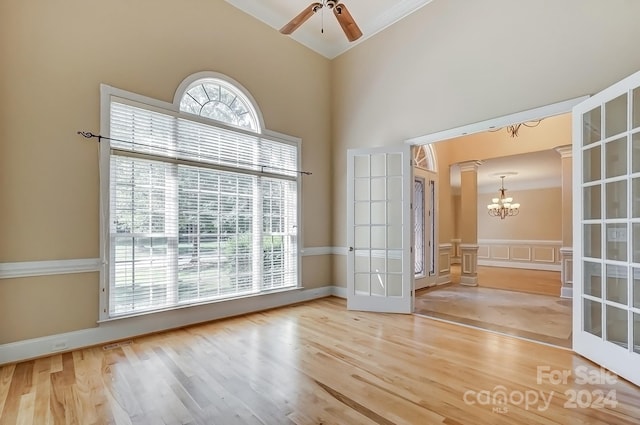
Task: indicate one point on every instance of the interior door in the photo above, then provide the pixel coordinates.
(379, 261)
(606, 303)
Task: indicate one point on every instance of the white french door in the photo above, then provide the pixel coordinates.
(379, 261)
(606, 300)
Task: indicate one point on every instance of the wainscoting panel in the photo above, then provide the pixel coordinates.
(483, 252)
(519, 253)
(499, 252)
(523, 254)
(545, 254)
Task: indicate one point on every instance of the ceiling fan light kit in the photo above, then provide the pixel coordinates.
(340, 11)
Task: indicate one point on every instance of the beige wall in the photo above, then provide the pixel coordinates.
(424, 74)
(540, 216)
(445, 206)
(54, 57)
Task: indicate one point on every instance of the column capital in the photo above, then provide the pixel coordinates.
(469, 165)
(565, 151)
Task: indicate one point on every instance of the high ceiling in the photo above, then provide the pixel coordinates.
(371, 16)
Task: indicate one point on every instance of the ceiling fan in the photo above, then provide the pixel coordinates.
(343, 16)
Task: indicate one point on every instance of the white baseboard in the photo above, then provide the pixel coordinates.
(516, 265)
(339, 291)
(156, 322)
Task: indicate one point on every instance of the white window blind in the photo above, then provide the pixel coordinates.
(198, 211)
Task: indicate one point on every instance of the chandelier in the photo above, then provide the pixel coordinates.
(502, 206)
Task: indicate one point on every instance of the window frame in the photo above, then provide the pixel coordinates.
(109, 94)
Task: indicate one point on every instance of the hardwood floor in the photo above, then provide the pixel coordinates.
(314, 363)
(521, 280)
(535, 317)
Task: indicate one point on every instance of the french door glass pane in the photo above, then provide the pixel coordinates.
(616, 157)
(616, 195)
(362, 262)
(591, 165)
(592, 202)
(635, 198)
(615, 116)
(592, 240)
(361, 213)
(361, 283)
(636, 107)
(593, 317)
(616, 284)
(635, 229)
(378, 165)
(361, 166)
(361, 237)
(593, 279)
(617, 325)
(394, 281)
(591, 124)
(636, 332)
(378, 213)
(394, 237)
(394, 164)
(378, 284)
(361, 190)
(378, 237)
(636, 287)
(635, 151)
(378, 186)
(394, 262)
(394, 188)
(617, 242)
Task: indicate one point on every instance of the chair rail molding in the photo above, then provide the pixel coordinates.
(49, 267)
(20, 269)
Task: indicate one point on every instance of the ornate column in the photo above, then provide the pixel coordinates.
(566, 252)
(469, 222)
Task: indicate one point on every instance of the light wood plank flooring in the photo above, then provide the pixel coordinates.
(532, 316)
(314, 363)
(540, 282)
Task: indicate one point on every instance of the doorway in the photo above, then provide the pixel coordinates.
(519, 261)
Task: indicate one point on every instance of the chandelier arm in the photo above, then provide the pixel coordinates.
(532, 124)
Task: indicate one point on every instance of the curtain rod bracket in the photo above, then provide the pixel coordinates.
(90, 135)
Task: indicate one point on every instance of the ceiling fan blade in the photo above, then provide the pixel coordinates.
(347, 23)
(302, 17)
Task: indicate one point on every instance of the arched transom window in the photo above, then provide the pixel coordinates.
(424, 157)
(218, 100)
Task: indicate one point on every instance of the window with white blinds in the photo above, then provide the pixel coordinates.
(198, 211)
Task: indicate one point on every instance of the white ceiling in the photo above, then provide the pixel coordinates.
(371, 16)
(534, 170)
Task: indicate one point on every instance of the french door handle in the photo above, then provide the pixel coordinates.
(350, 249)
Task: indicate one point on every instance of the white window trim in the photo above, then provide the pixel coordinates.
(107, 93)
